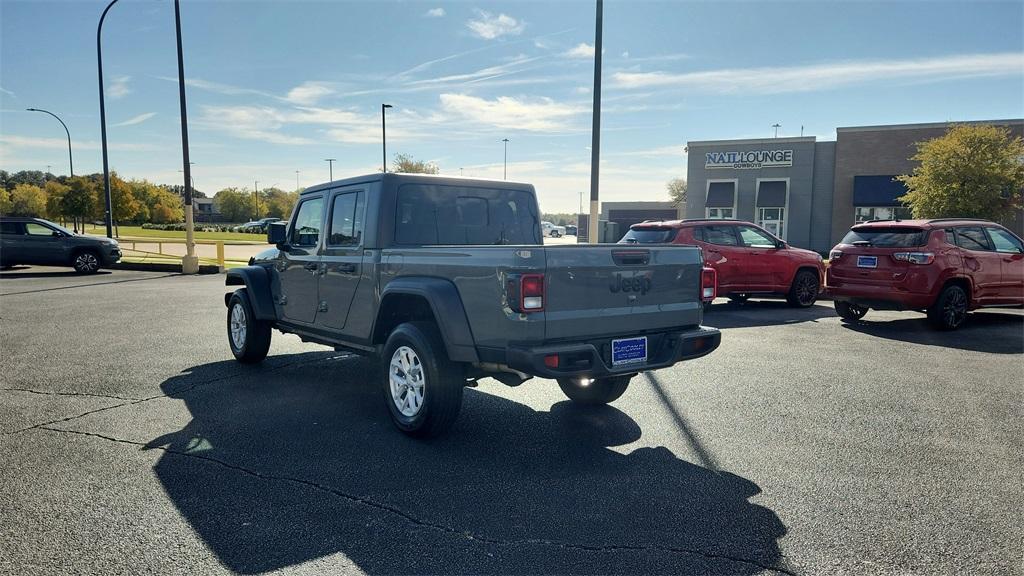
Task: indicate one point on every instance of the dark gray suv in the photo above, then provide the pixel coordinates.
(38, 241)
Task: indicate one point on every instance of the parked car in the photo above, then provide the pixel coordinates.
(571, 230)
(942, 267)
(552, 230)
(257, 225)
(448, 281)
(41, 242)
(749, 261)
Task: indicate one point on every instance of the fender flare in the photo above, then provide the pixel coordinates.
(256, 280)
(446, 304)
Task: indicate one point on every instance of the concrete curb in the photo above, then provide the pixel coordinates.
(161, 267)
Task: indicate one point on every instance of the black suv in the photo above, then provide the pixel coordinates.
(38, 241)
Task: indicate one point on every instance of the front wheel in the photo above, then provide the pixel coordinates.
(86, 262)
(248, 337)
(422, 386)
(950, 308)
(599, 391)
(804, 291)
(849, 311)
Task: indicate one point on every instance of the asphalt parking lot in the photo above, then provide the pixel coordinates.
(132, 443)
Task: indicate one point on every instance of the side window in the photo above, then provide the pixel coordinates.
(1004, 241)
(12, 228)
(754, 238)
(972, 238)
(308, 220)
(347, 220)
(721, 235)
(950, 236)
(34, 229)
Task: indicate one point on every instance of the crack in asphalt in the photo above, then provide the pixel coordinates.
(51, 393)
(141, 400)
(380, 506)
(84, 285)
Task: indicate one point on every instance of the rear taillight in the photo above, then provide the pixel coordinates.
(526, 292)
(708, 284)
(914, 257)
(835, 255)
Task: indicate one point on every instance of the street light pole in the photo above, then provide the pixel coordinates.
(190, 262)
(776, 126)
(296, 179)
(505, 172)
(103, 120)
(330, 163)
(256, 199)
(595, 130)
(384, 134)
(71, 162)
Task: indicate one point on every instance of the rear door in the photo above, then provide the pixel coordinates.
(981, 262)
(298, 263)
(1011, 251)
(620, 290)
(341, 264)
(724, 253)
(11, 236)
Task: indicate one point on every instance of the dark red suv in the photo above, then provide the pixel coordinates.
(942, 267)
(748, 259)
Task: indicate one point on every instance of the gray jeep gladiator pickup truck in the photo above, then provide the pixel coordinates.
(447, 281)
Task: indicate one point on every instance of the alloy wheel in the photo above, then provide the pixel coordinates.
(407, 380)
(238, 330)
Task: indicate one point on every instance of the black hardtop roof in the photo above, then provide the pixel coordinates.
(397, 178)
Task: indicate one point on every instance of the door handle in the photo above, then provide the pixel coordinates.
(312, 266)
(346, 268)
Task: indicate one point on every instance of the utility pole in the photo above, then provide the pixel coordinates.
(103, 120)
(190, 262)
(595, 130)
(256, 198)
(296, 180)
(776, 126)
(330, 163)
(505, 173)
(384, 135)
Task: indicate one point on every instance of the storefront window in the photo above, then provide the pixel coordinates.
(865, 213)
(772, 220)
(719, 213)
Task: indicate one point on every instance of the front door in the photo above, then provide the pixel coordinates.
(342, 258)
(298, 264)
(1011, 250)
(43, 245)
(761, 249)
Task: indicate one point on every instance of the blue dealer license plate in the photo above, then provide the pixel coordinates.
(629, 351)
(867, 261)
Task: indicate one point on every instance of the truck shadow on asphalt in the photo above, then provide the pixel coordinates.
(993, 332)
(753, 313)
(286, 466)
(24, 272)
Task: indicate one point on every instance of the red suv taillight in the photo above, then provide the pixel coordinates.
(835, 255)
(708, 284)
(914, 257)
(526, 293)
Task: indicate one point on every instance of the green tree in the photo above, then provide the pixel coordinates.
(123, 203)
(677, 191)
(279, 203)
(55, 192)
(79, 201)
(234, 205)
(28, 200)
(405, 163)
(973, 171)
(5, 202)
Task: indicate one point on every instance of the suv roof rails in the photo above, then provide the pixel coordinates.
(957, 219)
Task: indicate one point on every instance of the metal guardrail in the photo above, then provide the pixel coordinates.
(218, 260)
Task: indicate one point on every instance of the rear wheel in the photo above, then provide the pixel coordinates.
(599, 391)
(804, 291)
(849, 311)
(86, 262)
(950, 308)
(248, 337)
(422, 386)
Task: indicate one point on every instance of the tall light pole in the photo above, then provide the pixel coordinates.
(103, 120)
(384, 134)
(256, 198)
(71, 163)
(776, 126)
(330, 164)
(595, 130)
(190, 262)
(296, 179)
(505, 173)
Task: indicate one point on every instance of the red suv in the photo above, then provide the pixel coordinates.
(749, 261)
(943, 267)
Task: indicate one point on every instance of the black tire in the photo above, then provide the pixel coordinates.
(250, 345)
(849, 311)
(739, 298)
(441, 381)
(86, 262)
(950, 308)
(599, 391)
(804, 291)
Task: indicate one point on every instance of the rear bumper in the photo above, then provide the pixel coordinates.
(880, 297)
(592, 359)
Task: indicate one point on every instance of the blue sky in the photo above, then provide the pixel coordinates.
(275, 87)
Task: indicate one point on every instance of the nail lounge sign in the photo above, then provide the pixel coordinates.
(751, 159)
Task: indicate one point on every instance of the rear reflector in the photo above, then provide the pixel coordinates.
(551, 360)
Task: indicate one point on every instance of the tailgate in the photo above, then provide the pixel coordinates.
(867, 265)
(610, 290)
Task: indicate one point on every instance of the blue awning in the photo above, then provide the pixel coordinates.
(877, 191)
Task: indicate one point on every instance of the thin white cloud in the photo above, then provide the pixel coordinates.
(479, 75)
(10, 142)
(778, 80)
(435, 13)
(488, 26)
(309, 93)
(581, 50)
(540, 115)
(583, 90)
(219, 88)
(118, 87)
(136, 119)
(8, 92)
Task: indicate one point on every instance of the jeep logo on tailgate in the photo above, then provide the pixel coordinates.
(639, 283)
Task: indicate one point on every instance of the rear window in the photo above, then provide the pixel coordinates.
(431, 214)
(649, 236)
(888, 237)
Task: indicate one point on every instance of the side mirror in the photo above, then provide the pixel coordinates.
(779, 245)
(277, 233)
